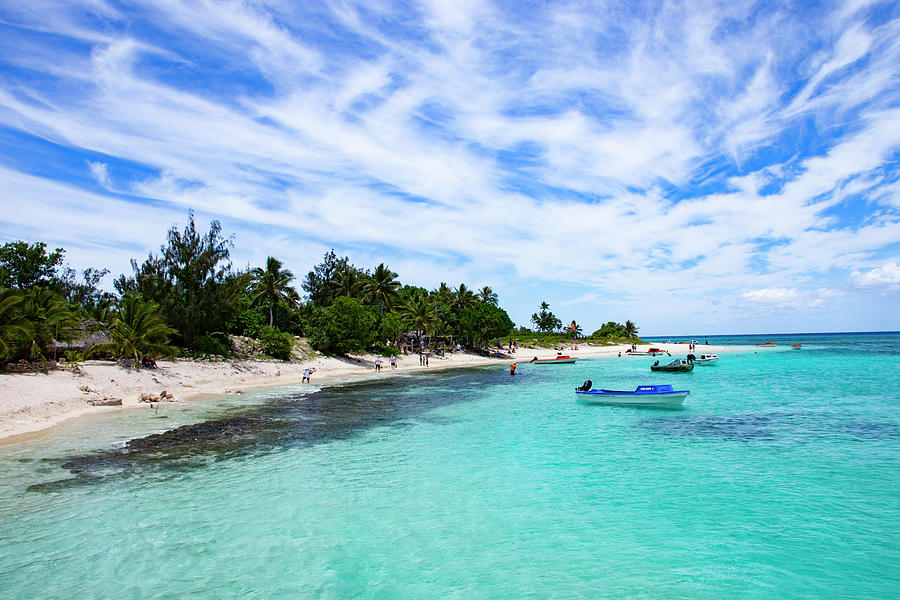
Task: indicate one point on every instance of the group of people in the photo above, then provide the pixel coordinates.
(393, 361)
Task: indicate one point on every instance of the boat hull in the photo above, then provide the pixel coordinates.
(668, 369)
(632, 399)
(554, 361)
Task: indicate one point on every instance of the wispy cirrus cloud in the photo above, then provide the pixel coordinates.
(600, 157)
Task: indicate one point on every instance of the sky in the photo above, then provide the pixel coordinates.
(696, 167)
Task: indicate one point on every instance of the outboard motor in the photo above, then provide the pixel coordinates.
(586, 386)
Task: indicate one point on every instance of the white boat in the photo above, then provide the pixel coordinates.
(644, 395)
(706, 359)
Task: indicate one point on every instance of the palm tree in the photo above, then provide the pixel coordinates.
(418, 314)
(464, 298)
(487, 295)
(536, 319)
(444, 294)
(631, 330)
(137, 329)
(348, 282)
(544, 306)
(14, 327)
(272, 285)
(50, 319)
(576, 329)
(382, 287)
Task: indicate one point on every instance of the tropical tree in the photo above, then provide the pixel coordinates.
(487, 295)
(50, 321)
(24, 265)
(347, 325)
(630, 329)
(319, 283)
(418, 314)
(191, 281)
(137, 329)
(348, 282)
(576, 329)
(464, 298)
(485, 321)
(546, 320)
(381, 288)
(14, 327)
(272, 285)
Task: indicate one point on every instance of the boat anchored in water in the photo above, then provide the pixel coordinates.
(643, 395)
(559, 360)
(679, 365)
(706, 359)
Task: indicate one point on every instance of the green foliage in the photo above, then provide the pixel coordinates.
(245, 317)
(137, 329)
(546, 320)
(73, 357)
(347, 325)
(24, 265)
(390, 327)
(381, 288)
(191, 281)
(84, 292)
(484, 321)
(209, 345)
(386, 350)
(275, 343)
(319, 283)
(272, 286)
(49, 319)
(14, 327)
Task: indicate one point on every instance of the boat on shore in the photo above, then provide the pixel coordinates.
(797, 346)
(766, 344)
(650, 352)
(643, 395)
(559, 360)
(679, 365)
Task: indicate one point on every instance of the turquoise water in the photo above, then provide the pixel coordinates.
(780, 479)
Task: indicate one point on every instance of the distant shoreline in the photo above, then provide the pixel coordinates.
(33, 405)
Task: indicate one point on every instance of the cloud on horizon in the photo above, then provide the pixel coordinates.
(602, 158)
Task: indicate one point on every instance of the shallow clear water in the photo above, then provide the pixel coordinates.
(778, 480)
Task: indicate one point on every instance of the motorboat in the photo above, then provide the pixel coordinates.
(766, 344)
(559, 360)
(706, 359)
(643, 395)
(679, 365)
(797, 346)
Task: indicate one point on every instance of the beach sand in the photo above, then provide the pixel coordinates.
(35, 404)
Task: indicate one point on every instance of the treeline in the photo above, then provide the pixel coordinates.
(189, 298)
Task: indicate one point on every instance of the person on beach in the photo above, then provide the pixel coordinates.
(378, 364)
(306, 374)
(394, 362)
(426, 360)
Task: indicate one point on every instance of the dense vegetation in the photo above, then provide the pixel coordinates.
(189, 299)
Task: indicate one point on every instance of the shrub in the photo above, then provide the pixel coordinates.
(275, 343)
(209, 345)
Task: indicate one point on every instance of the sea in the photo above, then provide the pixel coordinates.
(779, 478)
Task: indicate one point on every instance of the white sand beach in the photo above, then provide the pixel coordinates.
(34, 404)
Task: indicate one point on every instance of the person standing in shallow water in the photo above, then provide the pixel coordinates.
(512, 369)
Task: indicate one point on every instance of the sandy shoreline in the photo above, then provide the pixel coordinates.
(32, 404)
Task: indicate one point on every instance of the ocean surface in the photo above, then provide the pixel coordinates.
(779, 479)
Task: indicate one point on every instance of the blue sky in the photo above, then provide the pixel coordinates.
(696, 167)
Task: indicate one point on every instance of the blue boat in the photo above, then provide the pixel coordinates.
(644, 395)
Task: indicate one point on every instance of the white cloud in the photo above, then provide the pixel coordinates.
(885, 275)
